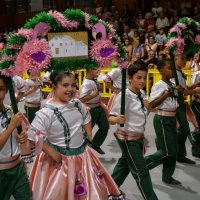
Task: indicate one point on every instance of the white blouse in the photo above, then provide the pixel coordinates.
(11, 147)
(135, 114)
(157, 90)
(88, 86)
(116, 76)
(34, 97)
(47, 122)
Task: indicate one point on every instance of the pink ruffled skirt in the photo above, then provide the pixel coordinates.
(80, 177)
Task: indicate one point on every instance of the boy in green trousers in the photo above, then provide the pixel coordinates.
(90, 95)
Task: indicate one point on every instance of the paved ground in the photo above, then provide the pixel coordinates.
(189, 175)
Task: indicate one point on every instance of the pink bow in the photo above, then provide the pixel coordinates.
(39, 135)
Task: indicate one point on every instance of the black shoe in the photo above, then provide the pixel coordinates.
(186, 160)
(99, 150)
(172, 182)
(196, 155)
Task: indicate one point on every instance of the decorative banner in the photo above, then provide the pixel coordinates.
(28, 49)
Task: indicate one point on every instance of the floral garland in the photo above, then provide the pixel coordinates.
(29, 49)
(184, 36)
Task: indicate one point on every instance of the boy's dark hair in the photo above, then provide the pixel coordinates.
(163, 62)
(4, 79)
(57, 77)
(135, 67)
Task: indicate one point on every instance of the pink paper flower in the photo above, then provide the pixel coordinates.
(9, 72)
(171, 42)
(27, 33)
(175, 29)
(34, 56)
(1, 46)
(104, 52)
(112, 30)
(180, 45)
(181, 25)
(197, 39)
(59, 17)
(87, 21)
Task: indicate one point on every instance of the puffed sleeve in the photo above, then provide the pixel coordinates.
(115, 110)
(156, 91)
(41, 123)
(85, 90)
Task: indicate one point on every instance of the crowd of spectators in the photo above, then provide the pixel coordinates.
(144, 34)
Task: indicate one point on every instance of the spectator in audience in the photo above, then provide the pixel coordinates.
(149, 21)
(174, 18)
(140, 22)
(195, 62)
(129, 49)
(162, 21)
(128, 33)
(186, 7)
(152, 60)
(126, 15)
(196, 12)
(138, 49)
(160, 39)
(136, 38)
(151, 45)
(156, 9)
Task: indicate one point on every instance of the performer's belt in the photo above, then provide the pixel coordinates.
(167, 113)
(33, 104)
(9, 162)
(93, 105)
(122, 135)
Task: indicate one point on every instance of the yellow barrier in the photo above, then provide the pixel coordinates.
(107, 92)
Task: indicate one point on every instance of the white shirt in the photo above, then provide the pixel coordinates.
(47, 122)
(135, 115)
(196, 78)
(116, 76)
(181, 78)
(88, 86)
(162, 23)
(11, 147)
(170, 103)
(19, 86)
(34, 97)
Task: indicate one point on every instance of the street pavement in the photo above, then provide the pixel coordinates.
(189, 175)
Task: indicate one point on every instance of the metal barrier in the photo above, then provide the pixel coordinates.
(154, 73)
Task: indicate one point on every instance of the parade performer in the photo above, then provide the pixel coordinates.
(113, 81)
(195, 106)
(67, 168)
(183, 39)
(90, 96)
(130, 137)
(19, 89)
(33, 95)
(183, 130)
(164, 98)
(13, 177)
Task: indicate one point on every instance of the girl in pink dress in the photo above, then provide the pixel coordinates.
(67, 168)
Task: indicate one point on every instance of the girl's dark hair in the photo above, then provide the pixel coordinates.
(134, 68)
(4, 79)
(57, 77)
(163, 62)
(149, 36)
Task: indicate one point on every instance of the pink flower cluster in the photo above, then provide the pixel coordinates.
(34, 56)
(1, 46)
(103, 45)
(59, 17)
